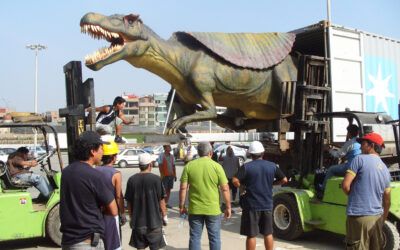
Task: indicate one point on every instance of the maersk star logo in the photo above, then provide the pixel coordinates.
(380, 89)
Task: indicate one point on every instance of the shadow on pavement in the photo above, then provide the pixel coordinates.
(40, 243)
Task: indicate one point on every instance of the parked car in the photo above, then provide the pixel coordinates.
(130, 156)
(241, 153)
(37, 151)
(4, 152)
(8, 151)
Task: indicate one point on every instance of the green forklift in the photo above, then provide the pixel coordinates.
(305, 132)
(21, 215)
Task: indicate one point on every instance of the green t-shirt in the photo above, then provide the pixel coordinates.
(204, 176)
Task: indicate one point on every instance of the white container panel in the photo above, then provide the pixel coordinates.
(347, 75)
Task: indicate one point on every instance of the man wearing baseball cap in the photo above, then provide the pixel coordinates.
(146, 206)
(258, 177)
(367, 183)
(84, 190)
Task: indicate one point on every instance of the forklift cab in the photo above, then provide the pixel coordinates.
(367, 122)
(25, 215)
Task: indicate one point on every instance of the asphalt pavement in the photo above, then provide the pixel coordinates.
(177, 233)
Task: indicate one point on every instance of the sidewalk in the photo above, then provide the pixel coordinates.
(178, 236)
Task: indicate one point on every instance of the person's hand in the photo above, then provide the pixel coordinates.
(165, 220)
(33, 163)
(227, 213)
(122, 219)
(182, 210)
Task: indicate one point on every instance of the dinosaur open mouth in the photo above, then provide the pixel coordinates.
(97, 32)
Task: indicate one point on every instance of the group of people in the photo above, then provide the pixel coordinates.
(92, 205)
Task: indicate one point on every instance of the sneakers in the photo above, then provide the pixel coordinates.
(118, 139)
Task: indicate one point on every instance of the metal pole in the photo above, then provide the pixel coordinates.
(328, 10)
(169, 111)
(36, 48)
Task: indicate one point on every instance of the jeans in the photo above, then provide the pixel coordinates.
(84, 246)
(213, 224)
(335, 170)
(38, 181)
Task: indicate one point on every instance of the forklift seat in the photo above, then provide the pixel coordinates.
(11, 182)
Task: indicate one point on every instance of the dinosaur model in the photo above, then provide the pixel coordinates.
(240, 71)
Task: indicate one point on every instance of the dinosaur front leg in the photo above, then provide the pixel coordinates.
(209, 112)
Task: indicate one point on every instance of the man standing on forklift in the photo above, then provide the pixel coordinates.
(258, 176)
(111, 117)
(367, 183)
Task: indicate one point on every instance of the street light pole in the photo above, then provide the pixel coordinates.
(36, 48)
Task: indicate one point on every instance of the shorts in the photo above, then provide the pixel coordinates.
(168, 182)
(142, 238)
(364, 232)
(108, 129)
(254, 222)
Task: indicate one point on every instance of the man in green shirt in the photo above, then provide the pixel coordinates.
(203, 177)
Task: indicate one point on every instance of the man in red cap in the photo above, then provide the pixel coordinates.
(367, 183)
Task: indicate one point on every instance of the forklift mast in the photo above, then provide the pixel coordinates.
(80, 95)
(300, 101)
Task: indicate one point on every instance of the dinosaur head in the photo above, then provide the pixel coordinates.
(123, 32)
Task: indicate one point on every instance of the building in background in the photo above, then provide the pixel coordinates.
(147, 111)
(160, 100)
(131, 107)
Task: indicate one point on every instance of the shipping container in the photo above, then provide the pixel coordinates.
(363, 68)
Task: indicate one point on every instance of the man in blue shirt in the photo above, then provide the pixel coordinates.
(367, 183)
(257, 177)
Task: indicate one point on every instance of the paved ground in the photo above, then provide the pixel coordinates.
(178, 236)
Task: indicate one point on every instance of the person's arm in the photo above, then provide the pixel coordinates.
(173, 166)
(112, 208)
(117, 182)
(130, 209)
(123, 118)
(163, 207)
(227, 198)
(342, 151)
(280, 177)
(238, 178)
(182, 197)
(348, 179)
(386, 203)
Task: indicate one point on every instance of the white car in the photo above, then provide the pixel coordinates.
(3, 159)
(241, 153)
(130, 156)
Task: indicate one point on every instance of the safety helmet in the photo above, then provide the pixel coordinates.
(256, 148)
(110, 149)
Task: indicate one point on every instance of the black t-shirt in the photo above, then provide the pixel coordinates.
(144, 191)
(83, 191)
(258, 177)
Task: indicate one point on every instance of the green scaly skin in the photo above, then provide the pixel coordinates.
(196, 74)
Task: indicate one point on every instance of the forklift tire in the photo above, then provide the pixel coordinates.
(286, 218)
(390, 236)
(122, 164)
(53, 224)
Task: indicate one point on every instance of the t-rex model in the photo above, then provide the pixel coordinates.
(240, 71)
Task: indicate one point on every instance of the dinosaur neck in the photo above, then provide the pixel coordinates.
(161, 58)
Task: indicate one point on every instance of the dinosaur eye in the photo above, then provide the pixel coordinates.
(130, 19)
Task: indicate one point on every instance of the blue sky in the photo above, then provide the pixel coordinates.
(56, 25)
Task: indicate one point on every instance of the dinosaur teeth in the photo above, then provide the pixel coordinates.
(102, 54)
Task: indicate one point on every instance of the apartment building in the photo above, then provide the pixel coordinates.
(131, 107)
(160, 99)
(147, 111)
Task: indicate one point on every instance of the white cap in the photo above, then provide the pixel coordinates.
(256, 148)
(145, 159)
